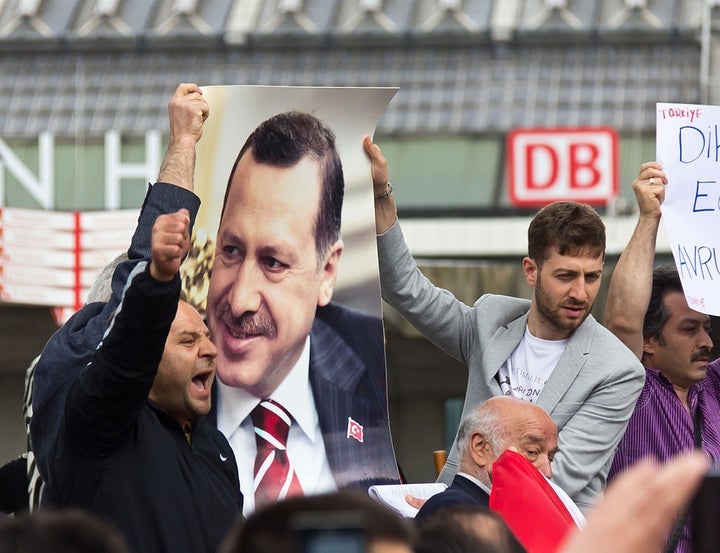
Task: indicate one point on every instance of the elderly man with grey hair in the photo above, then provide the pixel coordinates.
(499, 423)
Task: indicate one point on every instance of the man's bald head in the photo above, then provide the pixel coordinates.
(502, 423)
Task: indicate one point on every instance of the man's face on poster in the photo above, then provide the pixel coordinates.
(267, 277)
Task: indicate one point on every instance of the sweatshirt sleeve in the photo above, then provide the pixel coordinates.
(107, 398)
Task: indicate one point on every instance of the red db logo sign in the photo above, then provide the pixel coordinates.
(546, 165)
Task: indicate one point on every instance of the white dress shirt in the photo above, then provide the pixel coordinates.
(305, 447)
(475, 481)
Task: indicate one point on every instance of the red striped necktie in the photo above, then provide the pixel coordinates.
(274, 477)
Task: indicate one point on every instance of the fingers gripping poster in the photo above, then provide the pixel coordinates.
(284, 266)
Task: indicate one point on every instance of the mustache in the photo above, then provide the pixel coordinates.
(256, 323)
(703, 354)
(206, 363)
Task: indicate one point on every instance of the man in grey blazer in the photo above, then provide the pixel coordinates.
(548, 350)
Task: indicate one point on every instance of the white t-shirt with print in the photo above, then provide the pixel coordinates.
(528, 368)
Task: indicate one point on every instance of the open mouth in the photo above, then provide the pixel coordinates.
(203, 380)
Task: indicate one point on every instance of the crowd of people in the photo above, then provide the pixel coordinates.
(140, 420)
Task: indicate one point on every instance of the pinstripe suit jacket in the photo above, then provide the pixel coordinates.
(590, 394)
(347, 376)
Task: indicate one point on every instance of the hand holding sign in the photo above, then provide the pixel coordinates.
(649, 188)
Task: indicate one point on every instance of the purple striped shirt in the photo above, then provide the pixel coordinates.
(661, 427)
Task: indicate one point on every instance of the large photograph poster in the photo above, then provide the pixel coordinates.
(688, 146)
(339, 434)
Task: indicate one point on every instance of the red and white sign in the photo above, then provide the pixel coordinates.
(52, 258)
(579, 164)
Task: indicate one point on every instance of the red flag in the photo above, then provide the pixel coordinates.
(522, 496)
(354, 430)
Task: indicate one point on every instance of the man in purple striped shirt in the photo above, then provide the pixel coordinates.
(679, 406)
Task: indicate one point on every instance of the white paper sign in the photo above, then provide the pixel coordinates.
(688, 146)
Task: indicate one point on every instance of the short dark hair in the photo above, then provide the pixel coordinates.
(62, 531)
(275, 528)
(283, 141)
(570, 226)
(665, 279)
(465, 529)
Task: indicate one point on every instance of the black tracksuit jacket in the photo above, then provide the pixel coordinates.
(119, 456)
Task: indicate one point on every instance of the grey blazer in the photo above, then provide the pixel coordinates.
(590, 394)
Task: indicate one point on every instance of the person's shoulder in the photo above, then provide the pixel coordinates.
(714, 368)
(611, 348)
(501, 300)
(460, 492)
(712, 379)
(68, 350)
(341, 329)
(85, 320)
(345, 318)
(496, 309)
(493, 311)
(651, 391)
(78, 336)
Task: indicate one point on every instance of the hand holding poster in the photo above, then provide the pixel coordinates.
(688, 146)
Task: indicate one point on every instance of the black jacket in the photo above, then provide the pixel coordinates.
(117, 455)
(73, 346)
(461, 492)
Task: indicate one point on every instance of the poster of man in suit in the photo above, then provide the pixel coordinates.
(284, 264)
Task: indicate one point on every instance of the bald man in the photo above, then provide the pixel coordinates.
(500, 423)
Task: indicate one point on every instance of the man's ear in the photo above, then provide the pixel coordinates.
(650, 344)
(328, 272)
(530, 269)
(480, 450)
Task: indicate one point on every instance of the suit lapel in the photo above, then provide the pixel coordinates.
(499, 349)
(331, 389)
(569, 366)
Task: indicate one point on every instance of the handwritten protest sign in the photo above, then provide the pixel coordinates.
(688, 146)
